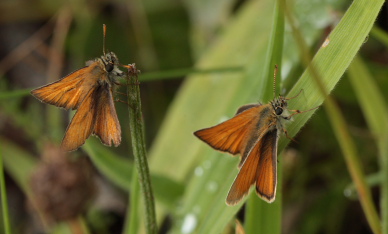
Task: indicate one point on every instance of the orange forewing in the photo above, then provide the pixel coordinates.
(70, 91)
(229, 136)
(260, 168)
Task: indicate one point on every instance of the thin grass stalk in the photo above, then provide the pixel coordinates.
(139, 149)
(62, 26)
(149, 76)
(340, 129)
(380, 35)
(383, 148)
(4, 202)
(181, 72)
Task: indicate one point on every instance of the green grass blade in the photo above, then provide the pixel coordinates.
(4, 200)
(383, 151)
(18, 163)
(380, 35)
(332, 61)
(132, 216)
(179, 73)
(259, 215)
(369, 96)
(14, 94)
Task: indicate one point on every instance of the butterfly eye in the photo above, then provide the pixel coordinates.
(109, 67)
(279, 111)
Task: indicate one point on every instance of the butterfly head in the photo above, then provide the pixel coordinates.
(279, 105)
(111, 63)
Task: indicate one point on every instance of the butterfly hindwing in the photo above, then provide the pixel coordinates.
(245, 107)
(267, 172)
(253, 170)
(107, 126)
(245, 178)
(82, 124)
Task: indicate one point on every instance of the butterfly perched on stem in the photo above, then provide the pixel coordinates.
(253, 133)
(90, 91)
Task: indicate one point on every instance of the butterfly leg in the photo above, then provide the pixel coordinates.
(126, 84)
(286, 133)
(118, 100)
(124, 94)
(299, 112)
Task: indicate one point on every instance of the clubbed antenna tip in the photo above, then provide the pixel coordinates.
(104, 36)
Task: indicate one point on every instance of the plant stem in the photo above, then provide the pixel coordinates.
(132, 219)
(139, 149)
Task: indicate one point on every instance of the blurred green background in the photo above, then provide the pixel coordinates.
(199, 61)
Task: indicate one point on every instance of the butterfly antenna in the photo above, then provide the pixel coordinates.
(274, 80)
(295, 95)
(104, 36)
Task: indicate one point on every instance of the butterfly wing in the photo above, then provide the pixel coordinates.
(260, 168)
(267, 171)
(82, 124)
(229, 136)
(97, 115)
(70, 91)
(107, 126)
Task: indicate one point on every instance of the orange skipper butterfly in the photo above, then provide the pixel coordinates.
(88, 90)
(253, 133)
